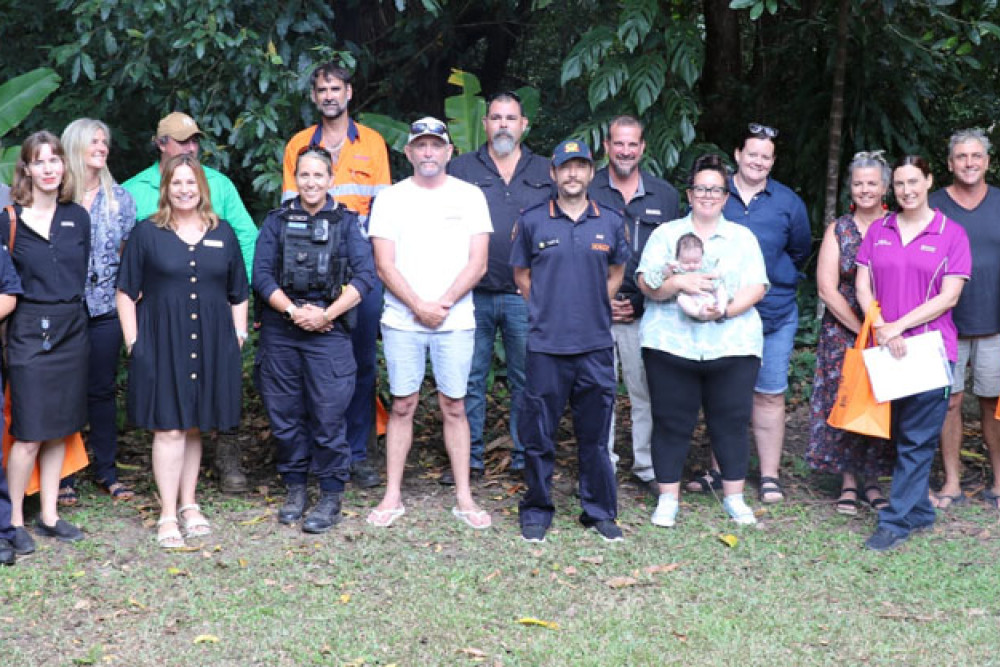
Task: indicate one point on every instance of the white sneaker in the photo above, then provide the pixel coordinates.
(665, 514)
(739, 510)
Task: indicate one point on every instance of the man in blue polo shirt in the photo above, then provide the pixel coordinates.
(513, 179)
(569, 258)
(645, 202)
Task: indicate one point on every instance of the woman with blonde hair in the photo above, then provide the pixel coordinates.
(182, 302)
(112, 217)
(47, 349)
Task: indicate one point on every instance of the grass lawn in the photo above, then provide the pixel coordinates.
(796, 590)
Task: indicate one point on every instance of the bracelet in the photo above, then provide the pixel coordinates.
(242, 335)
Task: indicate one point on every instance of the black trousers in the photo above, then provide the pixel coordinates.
(723, 388)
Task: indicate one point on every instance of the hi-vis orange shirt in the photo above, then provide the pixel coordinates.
(362, 169)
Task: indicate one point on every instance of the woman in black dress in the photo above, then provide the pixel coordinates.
(182, 302)
(47, 346)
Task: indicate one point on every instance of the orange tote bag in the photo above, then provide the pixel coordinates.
(856, 409)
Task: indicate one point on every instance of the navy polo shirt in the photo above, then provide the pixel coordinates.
(529, 186)
(778, 219)
(654, 203)
(569, 309)
(52, 270)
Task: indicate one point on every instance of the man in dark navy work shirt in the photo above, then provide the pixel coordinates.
(513, 179)
(645, 202)
(569, 257)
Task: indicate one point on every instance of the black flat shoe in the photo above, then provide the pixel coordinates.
(63, 531)
(7, 555)
(23, 542)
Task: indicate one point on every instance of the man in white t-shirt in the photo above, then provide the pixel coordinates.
(430, 233)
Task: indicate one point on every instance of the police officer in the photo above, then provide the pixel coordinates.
(311, 266)
(569, 258)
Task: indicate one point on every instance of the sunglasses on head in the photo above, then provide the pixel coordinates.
(764, 130)
(421, 127)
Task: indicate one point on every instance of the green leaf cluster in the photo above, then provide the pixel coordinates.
(18, 97)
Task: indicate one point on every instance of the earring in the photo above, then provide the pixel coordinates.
(853, 207)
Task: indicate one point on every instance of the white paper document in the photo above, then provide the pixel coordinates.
(924, 367)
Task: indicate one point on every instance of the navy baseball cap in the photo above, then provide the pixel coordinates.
(569, 150)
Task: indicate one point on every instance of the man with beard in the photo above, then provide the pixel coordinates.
(644, 202)
(513, 179)
(430, 233)
(360, 171)
(974, 205)
(569, 257)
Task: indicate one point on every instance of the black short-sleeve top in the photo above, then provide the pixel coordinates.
(52, 270)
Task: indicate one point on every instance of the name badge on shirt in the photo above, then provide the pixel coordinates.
(928, 248)
(653, 211)
(210, 243)
(67, 223)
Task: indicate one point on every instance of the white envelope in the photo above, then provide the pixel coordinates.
(924, 367)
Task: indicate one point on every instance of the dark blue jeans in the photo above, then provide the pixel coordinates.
(361, 411)
(509, 313)
(102, 410)
(6, 530)
(916, 431)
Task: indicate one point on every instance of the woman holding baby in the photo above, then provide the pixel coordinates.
(705, 357)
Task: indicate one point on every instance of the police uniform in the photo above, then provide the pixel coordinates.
(569, 351)
(306, 378)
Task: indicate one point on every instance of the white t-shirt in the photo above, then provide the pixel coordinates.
(432, 229)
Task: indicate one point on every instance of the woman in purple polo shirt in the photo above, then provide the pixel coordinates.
(915, 264)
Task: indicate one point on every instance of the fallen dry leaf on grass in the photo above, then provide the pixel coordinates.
(593, 560)
(345, 598)
(729, 540)
(659, 569)
(177, 572)
(621, 582)
(205, 639)
(260, 518)
(570, 570)
(527, 620)
(472, 653)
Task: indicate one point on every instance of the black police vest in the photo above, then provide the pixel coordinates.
(310, 262)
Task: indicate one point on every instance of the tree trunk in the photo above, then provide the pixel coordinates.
(836, 115)
(721, 70)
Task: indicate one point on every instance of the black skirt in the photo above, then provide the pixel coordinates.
(47, 354)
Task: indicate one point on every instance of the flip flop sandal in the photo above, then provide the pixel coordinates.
(117, 491)
(705, 482)
(951, 501)
(68, 497)
(848, 506)
(879, 503)
(196, 527)
(467, 517)
(384, 518)
(770, 486)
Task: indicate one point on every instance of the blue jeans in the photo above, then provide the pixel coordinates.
(509, 313)
(361, 411)
(916, 431)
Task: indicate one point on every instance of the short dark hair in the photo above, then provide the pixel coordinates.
(758, 131)
(330, 70)
(710, 162)
(626, 120)
(689, 241)
(505, 96)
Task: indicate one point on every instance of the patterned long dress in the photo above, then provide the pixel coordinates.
(831, 449)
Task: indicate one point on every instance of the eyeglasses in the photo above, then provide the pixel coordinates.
(713, 192)
(436, 128)
(757, 128)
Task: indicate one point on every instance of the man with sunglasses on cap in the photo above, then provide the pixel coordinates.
(513, 179)
(569, 258)
(430, 233)
(177, 134)
(360, 171)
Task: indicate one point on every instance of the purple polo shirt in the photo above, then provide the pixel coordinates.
(904, 277)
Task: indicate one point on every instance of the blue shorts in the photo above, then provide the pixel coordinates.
(406, 359)
(773, 375)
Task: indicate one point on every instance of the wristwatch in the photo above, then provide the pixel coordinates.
(290, 311)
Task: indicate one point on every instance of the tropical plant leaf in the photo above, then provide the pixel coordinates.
(465, 112)
(21, 94)
(393, 131)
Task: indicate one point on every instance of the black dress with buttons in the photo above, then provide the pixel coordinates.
(185, 368)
